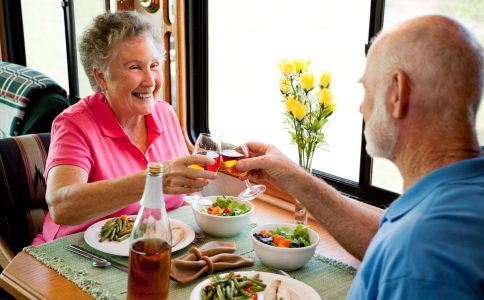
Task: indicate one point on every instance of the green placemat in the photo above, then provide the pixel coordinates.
(331, 279)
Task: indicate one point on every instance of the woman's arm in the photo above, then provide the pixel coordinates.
(72, 200)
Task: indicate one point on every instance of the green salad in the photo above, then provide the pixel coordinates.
(284, 237)
(226, 206)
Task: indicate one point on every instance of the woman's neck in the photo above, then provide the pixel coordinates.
(137, 131)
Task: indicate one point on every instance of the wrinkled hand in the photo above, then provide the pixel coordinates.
(179, 178)
(268, 163)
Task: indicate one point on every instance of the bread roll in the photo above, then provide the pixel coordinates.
(293, 295)
(283, 293)
(271, 290)
(177, 235)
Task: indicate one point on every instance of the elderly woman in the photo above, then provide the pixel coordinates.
(100, 146)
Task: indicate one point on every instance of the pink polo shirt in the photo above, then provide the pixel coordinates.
(89, 136)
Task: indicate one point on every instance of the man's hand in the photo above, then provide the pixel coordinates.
(270, 164)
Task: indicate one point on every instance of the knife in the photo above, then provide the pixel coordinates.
(86, 253)
(282, 272)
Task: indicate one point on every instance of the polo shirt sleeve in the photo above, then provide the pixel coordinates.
(68, 146)
(411, 288)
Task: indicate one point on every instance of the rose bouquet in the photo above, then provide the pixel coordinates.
(308, 107)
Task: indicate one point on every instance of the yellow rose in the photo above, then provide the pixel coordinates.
(325, 97)
(285, 85)
(290, 103)
(325, 80)
(302, 65)
(296, 108)
(299, 111)
(332, 107)
(307, 81)
(287, 67)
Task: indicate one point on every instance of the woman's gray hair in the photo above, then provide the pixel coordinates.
(100, 39)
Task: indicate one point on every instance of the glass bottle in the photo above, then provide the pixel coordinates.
(150, 242)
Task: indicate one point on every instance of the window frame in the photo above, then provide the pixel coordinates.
(197, 100)
(191, 30)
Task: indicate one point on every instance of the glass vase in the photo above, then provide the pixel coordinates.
(300, 212)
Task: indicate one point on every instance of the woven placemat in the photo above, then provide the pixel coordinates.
(331, 279)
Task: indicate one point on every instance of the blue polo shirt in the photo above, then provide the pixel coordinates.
(430, 244)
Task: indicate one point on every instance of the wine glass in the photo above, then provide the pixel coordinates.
(233, 148)
(208, 145)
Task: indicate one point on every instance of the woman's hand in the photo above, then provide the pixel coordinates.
(179, 178)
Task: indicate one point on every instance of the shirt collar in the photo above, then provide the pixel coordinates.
(110, 125)
(456, 171)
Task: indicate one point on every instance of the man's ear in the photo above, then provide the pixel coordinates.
(400, 95)
(99, 77)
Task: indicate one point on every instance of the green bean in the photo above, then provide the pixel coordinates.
(220, 294)
(228, 292)
(232, 286)
(203, 294)
(242, 284)
(123, 237)
(257, 288)
(105, 236)
(115, 229)
(245, 293)
(113, 233)
(257, 282)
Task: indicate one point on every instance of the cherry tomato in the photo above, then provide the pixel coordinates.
(252, 292)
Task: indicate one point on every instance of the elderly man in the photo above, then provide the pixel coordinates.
(423, 84)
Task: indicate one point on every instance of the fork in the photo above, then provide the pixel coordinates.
(97, 261)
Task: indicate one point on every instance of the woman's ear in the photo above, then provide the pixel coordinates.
(100, 79)
(400, 96)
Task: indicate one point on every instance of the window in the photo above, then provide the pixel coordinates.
(243, 73)
(48, 33)
(239, 44)
(84, 11)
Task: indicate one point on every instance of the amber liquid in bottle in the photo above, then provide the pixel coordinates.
(150, 243)
(149, 272)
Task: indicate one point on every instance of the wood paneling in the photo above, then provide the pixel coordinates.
(3, 35)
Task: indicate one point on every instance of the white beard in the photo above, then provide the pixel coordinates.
(380, 132)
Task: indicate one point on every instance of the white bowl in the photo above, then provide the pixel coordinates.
(286, 259)
(221, 226)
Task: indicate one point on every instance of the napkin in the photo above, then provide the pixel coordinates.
(210, 257)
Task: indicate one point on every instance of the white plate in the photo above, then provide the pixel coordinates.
(303, 290)
(91, 236)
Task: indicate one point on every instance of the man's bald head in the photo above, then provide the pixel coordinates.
(444, 63)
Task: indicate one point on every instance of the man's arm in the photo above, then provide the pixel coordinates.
(352, 224)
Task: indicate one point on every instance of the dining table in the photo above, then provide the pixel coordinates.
(27, 276)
